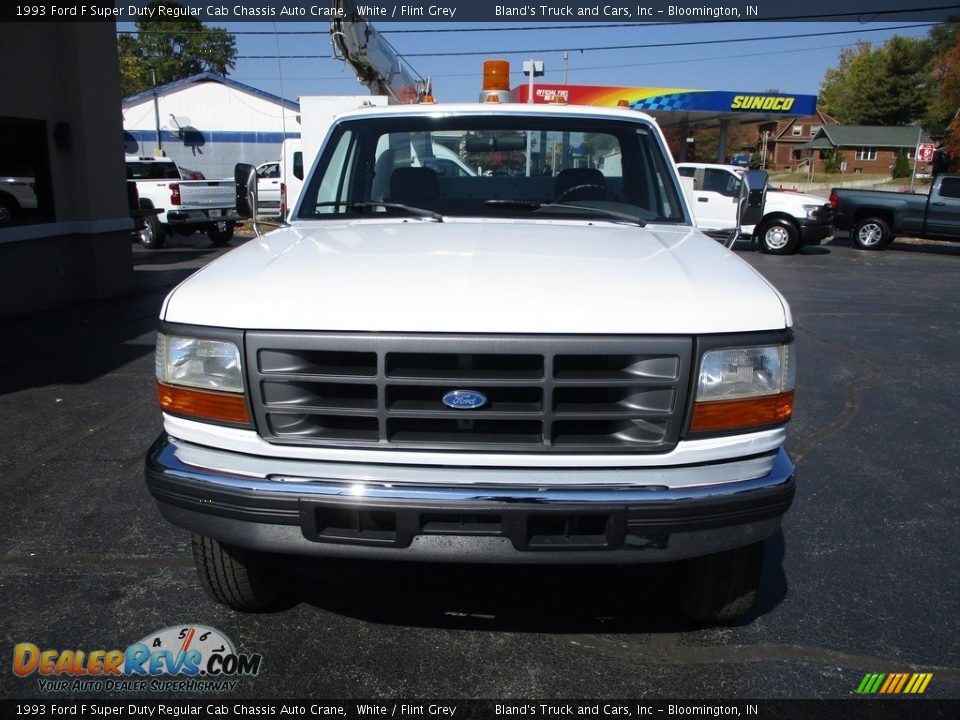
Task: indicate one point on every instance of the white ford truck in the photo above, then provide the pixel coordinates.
(271, 191)
(185, 206)
(790, 219)
(520, 367)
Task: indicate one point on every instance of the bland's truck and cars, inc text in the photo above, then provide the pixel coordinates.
(509, 366)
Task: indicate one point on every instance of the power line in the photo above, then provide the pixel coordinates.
(674, 61)
(601, 48)
(586, 68)
(688, 43)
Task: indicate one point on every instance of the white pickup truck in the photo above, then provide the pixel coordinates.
(790, 219)
(185, 206)
(271, 191)
(518, 367)
(17, 194)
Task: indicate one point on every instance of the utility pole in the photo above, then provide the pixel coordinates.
(916, 156)
(532, 69)
(156, 109)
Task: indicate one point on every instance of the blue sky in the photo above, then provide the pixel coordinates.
(789, 57)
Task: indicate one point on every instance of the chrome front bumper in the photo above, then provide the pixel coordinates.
(541, 516)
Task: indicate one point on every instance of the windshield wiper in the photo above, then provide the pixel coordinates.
(537, 205)
(366, 204)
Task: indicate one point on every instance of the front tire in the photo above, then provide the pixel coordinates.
(220, 233)
(720, 588)
(9, 209)
(239, 578)
(871, 233)
(778, 237)
(153, 234)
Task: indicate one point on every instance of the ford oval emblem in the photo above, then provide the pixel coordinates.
(464, 399)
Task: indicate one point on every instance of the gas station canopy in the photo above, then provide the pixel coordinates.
(680, 107)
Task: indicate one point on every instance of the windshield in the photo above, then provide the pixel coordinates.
(494, 166)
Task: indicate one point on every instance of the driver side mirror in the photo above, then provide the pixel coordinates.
(245, 177)
(753, 195)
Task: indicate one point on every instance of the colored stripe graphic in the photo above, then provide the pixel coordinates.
(894, 683)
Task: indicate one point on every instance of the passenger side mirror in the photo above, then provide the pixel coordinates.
(753, 195)
(245, 176)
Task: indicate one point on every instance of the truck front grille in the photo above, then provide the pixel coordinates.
(541, 393)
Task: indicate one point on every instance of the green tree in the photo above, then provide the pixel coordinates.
(842, 89)
(172, 49)
(831, 160)
(901, 97)
(887, 85)
(902, 168)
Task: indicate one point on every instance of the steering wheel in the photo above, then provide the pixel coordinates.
(585, 186)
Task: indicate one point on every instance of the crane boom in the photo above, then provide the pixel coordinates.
(376, 62)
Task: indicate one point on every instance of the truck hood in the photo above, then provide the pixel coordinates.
(783, 199)
(480, 276)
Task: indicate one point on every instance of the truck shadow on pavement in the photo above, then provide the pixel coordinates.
(752, 247)
(514, 598)
(908, 245)
(102, 336)
(98, 338)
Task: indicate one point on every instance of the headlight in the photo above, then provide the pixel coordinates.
(739, 388)
(200, 363)
(746, 372)
(201, 378)
(813, 212)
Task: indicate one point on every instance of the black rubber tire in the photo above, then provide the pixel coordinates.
(9, 209)
(220, 233)
(153, 235)
(239, 578)
(778, 236)
(871, 233)
(720, 588)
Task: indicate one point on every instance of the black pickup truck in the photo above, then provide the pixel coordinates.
(875, 217)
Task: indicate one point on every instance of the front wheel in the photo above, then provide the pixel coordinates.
(237, 577)
(871, 233)
(778, 237)
(8, 209)
(720, 588)
(220, 233)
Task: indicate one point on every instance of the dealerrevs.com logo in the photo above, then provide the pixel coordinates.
(187, 658)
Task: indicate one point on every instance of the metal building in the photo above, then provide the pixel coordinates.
(208, 123)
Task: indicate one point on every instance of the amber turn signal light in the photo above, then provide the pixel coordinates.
(740, 414)
(204, 404)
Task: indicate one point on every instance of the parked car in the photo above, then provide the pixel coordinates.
(790, 219)
(875, 217)
(17, 193)
(185, 206)
(271, 191)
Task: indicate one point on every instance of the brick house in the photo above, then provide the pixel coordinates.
(867, 149)
(782, 139)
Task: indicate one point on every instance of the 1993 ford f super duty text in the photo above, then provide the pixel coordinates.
(531, 364)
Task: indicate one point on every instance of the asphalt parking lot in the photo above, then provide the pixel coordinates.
(864, 577)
